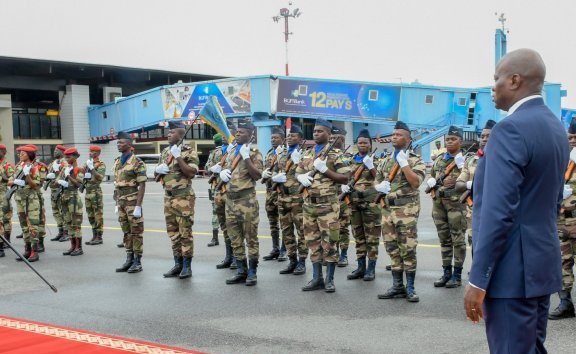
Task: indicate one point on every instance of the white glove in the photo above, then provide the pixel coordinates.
(56, 167)
(162, 169)
(137, 212)
(20, 182)
(573, 155)
(296, 156)
(345, 188)
(402, 159)
(216, 168)
(26, 170)
(459, 159)
(431, 182)
(87, 175)
(245, 151)
(368, 162)
(279, 149)
(320, 165)
(116, 210)
(469, 185)
(305, 179)
(51, 175)
(279, 178)
(90, 165)
(266, 174)
(175, 151)
(225, 175)
(63, 183)
(67, 171)
(383, 187)
(567, 191)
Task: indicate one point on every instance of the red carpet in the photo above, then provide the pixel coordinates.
(26, 337)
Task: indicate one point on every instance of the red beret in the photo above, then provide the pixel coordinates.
(2, 147)
(61, 147)
(71, 151)
(27, 148)
(33, 147)
(95, 148)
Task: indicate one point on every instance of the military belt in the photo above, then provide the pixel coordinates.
(369, 194)
(122, 191)
(402, 201)
(447, 193)
(570, 214)
(289, 191)
(322, 200)
(240, 194)
(178, 192)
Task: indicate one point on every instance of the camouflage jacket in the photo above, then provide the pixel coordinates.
(366, 181)
(468, 170)
(63, 164)
(33, 174)
(213, 159)
(291, 185)
(268, 164)
(77, 172)
(175, 179)
(129, 174)
(569, 204)
(399, 186)
(6, 171)
(42, 170)
(322, 185)
(241, 179)
(449, 182)
(100, 168)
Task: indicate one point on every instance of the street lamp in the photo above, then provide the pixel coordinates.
(286, 13)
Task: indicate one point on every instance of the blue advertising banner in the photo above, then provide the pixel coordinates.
(338, 100)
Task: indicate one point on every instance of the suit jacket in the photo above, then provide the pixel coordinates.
(517, 194)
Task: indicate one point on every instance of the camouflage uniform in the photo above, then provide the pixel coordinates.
(127, 176)
(272, 205)
(179, 200)
(212, 160)
(43, 171)
(345, 216)
(28, 206)
(6, 171)
(466, 175)
(72, 206)
(567, 232)
(54, 189)
(94, 198)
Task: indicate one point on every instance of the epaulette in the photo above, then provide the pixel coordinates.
(186, 147)
(412, 153)
(117, 159)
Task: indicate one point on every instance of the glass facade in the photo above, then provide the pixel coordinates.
(44, 153)
(33, 123)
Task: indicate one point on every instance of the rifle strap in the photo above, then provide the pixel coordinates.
(569, 171)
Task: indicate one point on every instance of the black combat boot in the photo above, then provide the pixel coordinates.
(40, 247)
(234, 264)
(93, 238)
(291, 266)
(397, 290)
(360, 271)
(97, 239)
(252, 279)
(65, 237)
(275, 253)
(329, 282)
(214, 241)
(445, 277)
(565, 309)
(411, 295)
(456, 279)
(282, 257)
(72, 247)
(370, 273)
(136, 264)
(389, 267)
(20, 236)
(343, 259)
(317, 282)
(60, 234)
(33, 254)
(7, 237)
(124, 267)
(186, 268)
(175, 271)
(241, 273)
(2, 253)
(300, 266)
(78, 249)
(227, 261)
(27, 251)
(121, 245)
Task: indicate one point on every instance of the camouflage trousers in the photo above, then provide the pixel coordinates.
(567, 234)
(344, 217)
(322, 228)
(179, 215)
(5, 211)
(399, 227)
(366, 226)
(56, 207)
(72, 212)
(132, 227)
(469, 225)
(272, 213)
(450, 220)
(220, 210)
(215, 223)
(95, 208)
(290, 209)
(242, 218)
(28, 209)
(42, 225)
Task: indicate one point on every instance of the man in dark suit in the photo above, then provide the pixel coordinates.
(517, 193)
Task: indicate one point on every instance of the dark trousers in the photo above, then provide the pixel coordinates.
(516, 326)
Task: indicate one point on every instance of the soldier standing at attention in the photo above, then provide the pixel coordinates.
(366, 214)
(321, 177)
(27, 178)
(448, 213)
(242, 170)
(179, 164)
(130, 178)
(53, 170)
(93, 177)
(213, 158)
(290, 203)
(6, 171)
(43, 172)
(277, 140)
(401, 211)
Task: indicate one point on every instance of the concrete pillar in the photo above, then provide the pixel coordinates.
(6, 127)
(74, 117)
(264, 136)
(350, 133)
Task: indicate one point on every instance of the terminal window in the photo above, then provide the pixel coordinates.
(462, 101)
(429, 99)
(33, 123)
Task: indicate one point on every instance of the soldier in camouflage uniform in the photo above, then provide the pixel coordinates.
(322, 176)
(277, 141)
(567, 233)
(400, 212)
(93, 177)
(242, 169)
(178, 165)
(69, 179)
(448, 213)
(43, 172)
(213, 158)
(366, 214)
(6, 171)
(27, 178)
(290, 203)
(54, 169)
(130, 180)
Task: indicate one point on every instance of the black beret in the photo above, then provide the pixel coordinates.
(572, 127)
(338, 130)
(278, 131)
(246, 124)
(453, 130)
(175, 124)
(364, 133)
(295, 129)
(490, 124)
(323, 123)
(401, 125)
(124, 135)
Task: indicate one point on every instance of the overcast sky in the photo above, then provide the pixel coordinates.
(442, 42)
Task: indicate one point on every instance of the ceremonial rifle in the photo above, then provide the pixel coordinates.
(160, 177)
(10, 192)
(395, 169)
(48, 181)
(447, 171)
(221, 163)
(272, 164)
(323, 155)
(289, 164)
(568, 176)
(235, 163)
(357, 176)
